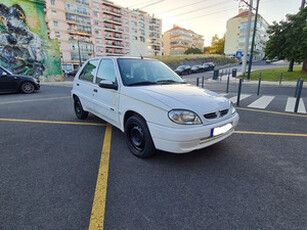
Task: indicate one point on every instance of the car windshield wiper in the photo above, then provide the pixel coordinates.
(143, 83)
(170, 81)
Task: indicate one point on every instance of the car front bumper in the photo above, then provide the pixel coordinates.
(190, 139)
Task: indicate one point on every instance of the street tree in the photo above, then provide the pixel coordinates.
(193, 51)
(288, 40)
(217, 45)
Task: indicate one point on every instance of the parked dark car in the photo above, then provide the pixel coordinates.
(183, 69)
(10, 82)
(208, 66)
(72, 73)
(197, 69)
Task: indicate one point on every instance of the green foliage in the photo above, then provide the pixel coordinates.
(217, 45)
(288, 39)
(193, 51)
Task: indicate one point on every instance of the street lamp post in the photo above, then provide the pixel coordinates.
(253, 42)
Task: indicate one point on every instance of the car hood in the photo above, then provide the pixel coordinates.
(21, 77)
(185, 96)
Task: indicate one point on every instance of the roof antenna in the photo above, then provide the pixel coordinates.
(137, 49)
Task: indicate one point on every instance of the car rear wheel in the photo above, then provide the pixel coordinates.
(138, 137)
(27, 87)
(80, 113)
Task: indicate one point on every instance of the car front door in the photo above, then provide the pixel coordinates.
(7, 82)
(105, 101)
(84, 85)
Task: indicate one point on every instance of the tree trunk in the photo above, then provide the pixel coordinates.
(291, 64)
(304, 67)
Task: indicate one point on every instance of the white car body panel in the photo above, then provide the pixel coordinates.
(153, 102)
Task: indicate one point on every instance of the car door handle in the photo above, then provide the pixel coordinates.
(77, 84)
(95, 90)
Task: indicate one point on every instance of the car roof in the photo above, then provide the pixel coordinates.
(123, 57)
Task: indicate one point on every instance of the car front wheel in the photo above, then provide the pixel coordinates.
(27, 87)
(80, 113)
(138, 137)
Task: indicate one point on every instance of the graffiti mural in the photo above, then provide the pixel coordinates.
(25, 48)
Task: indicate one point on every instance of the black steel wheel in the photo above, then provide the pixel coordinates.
(27, 87)
(138, 137)
(80, 113)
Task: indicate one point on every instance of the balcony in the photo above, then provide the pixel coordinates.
(77, 12)
(114, 44)
(112, 12)
(113, 28)
(112, 20)
(112, 37)
(79, 32)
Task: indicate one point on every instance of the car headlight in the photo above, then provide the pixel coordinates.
(184, 117)
(232, 108)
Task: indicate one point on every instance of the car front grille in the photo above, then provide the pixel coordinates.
(214, 115)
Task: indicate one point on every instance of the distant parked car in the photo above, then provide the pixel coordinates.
(183, 69)
(72, 73)
(10, 82)
(209, 65)
(197, 69)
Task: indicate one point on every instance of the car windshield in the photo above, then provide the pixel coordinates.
(146, 72)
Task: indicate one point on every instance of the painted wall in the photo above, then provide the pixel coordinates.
(24, 44)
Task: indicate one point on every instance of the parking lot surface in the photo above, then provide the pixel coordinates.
(51, 165)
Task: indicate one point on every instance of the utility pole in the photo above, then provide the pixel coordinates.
(79, 54)
(253, 43)
(247, 34)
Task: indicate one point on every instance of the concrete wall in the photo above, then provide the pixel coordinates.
(24, 44)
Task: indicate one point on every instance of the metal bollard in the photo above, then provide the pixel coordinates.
(197, 81)
(299, 92)
(259, 83)
(239, 92)
(280, 79)
(227, 89)
(203, 81)
(297, 85)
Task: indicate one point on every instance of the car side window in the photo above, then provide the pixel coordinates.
(88, 72)
(106, 71)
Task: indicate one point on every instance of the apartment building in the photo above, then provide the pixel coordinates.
(88, 28)
(177, 40)
(236, 33)
(69, 21)
(142, 33)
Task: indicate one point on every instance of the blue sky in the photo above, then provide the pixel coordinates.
(208, 17)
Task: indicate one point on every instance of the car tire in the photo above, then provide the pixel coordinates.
(80, 113)
(138, 137)
(27, 87)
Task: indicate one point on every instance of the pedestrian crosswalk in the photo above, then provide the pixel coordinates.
(286, 104)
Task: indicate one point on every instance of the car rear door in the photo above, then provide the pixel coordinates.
(105, 101)
(84, 86)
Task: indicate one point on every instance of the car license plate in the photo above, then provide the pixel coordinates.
(220, 130)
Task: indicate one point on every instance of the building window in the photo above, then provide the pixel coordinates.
(54, 12)
(52, 2)
(57, 34)
(55, 23)
(96, 5)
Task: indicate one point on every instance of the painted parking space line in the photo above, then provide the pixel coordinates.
(272, 134)
(99, 202)
(51, 122)
(243, 96)
(262, 102)
(291, 104)
(31, 100)
(272, 112)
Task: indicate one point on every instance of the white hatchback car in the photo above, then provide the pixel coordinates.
(152, 105)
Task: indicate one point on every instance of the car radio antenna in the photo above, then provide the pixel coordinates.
(137, 49)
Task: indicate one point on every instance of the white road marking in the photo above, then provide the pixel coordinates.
(291, 104)
(243, 96)
(262, 102)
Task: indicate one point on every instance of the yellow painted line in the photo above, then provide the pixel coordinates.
(51, 122)
(272, 134)
(99, 203)
(272, 112)
(41, 99)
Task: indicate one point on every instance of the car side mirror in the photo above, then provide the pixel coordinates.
(107, 84)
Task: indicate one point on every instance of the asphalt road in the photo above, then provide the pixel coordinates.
(48, 173)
